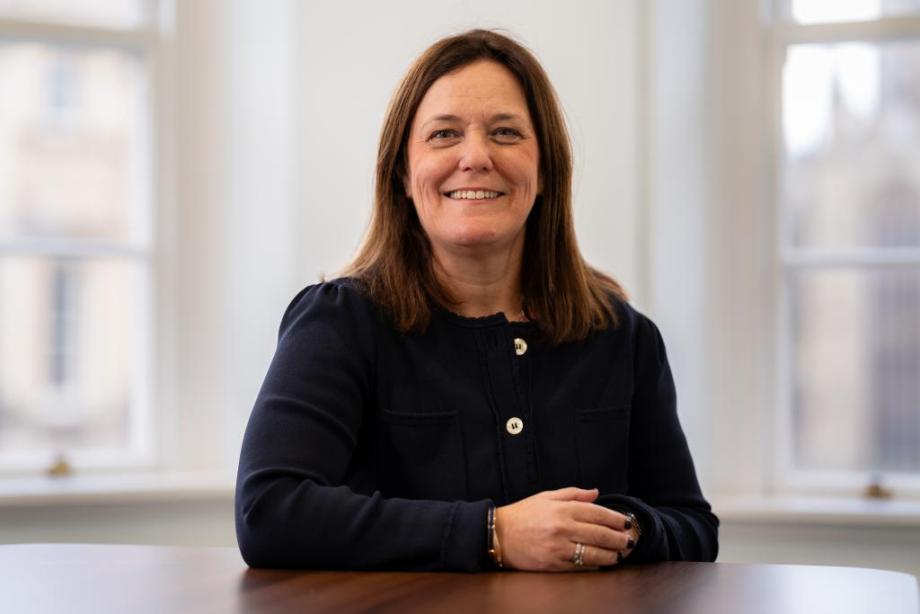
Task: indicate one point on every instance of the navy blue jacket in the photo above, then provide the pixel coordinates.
(371, 449)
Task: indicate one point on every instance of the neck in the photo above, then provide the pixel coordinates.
(483, 284)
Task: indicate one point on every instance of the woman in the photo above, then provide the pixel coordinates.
(471, 395)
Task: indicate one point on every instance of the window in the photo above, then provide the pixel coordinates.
(848, 195)
(77, 240)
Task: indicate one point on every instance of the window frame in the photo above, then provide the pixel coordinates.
(152, 383)
(781, 33)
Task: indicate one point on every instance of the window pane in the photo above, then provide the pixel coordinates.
(856, 369)
(107, 13)
(829, 11)
(851, 134)
(73, 142)
(69, 331)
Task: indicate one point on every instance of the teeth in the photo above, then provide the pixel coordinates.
(472, 194)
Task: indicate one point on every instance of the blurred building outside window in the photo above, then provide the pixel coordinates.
(76, 233)
(848, 196)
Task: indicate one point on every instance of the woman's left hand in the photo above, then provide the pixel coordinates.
(543, 532)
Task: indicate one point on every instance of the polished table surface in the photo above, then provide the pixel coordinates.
(40, 578)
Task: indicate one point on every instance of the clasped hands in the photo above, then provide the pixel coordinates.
(541, 532)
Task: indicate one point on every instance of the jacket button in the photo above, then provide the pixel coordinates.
(514, 425)
(520, 346)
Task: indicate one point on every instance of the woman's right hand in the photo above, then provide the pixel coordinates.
(540, 533)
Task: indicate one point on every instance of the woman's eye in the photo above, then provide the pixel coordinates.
(440, 135)
(507, 134)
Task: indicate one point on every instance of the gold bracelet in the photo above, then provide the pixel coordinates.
(495, 549)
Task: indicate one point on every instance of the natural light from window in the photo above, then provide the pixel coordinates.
(849, 190)
(75, 237)
(834, 11)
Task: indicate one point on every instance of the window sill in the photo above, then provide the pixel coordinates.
(812, 511)
(114, 489)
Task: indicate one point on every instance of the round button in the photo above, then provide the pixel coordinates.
(520, 346)
(514, 425)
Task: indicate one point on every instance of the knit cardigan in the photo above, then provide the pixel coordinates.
(369, 449)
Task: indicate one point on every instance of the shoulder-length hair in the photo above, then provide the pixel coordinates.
(565, 297)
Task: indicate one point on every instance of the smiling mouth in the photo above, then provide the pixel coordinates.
(473, 194)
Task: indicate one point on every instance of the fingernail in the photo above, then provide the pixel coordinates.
(627, 525)
(631, 544)
(619, 556)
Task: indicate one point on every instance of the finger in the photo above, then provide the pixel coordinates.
(603, 537)
(573, 494)
(598, 514)
(593, 557)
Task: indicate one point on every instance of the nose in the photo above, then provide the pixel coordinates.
(475, 155)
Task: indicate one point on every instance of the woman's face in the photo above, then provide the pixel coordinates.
(473, 160)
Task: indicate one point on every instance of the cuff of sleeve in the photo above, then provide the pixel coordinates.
(463, 547)
(653, 544)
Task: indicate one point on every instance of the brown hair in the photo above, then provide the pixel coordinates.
(566, 298)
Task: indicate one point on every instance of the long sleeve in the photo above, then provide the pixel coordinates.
(292, 506)
(664, 493)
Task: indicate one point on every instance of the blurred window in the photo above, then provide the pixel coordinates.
(848, 190)
(76, 240)
(120, 14)
(836, 11)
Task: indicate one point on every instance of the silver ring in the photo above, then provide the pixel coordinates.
(579, 557)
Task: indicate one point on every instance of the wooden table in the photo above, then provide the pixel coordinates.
(70, 578)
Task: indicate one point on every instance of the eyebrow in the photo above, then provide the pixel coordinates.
(498, 117)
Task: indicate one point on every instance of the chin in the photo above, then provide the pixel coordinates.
(473, 237)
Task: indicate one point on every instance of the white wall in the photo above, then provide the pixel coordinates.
(197, 522)
(815, 543)
(235, 104)
(675, 210)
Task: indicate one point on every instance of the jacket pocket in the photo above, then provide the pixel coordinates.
(422, 456)
(602, 448)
